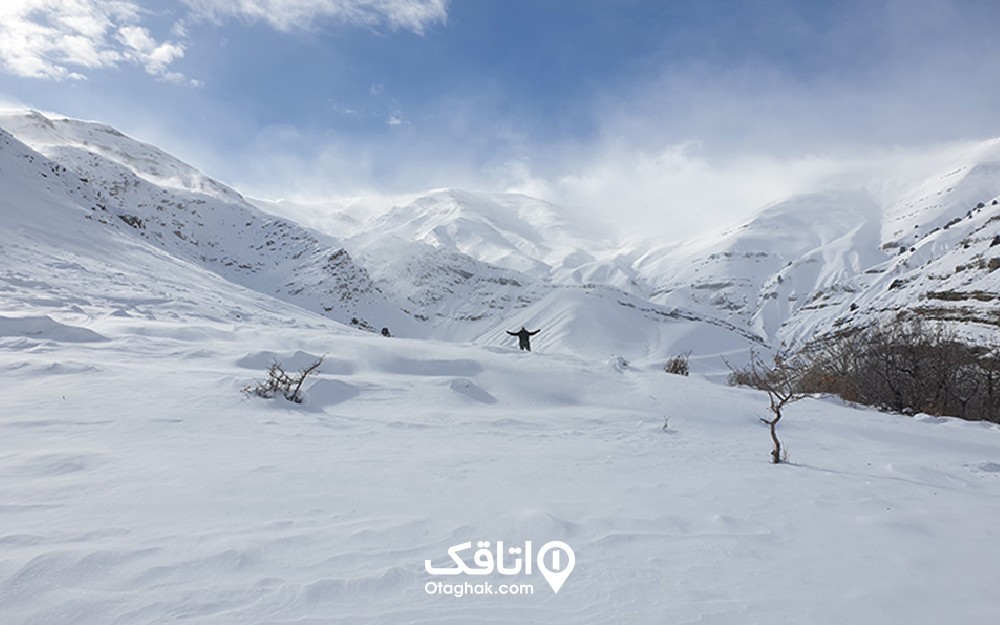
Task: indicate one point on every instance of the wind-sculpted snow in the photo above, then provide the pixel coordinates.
(44, 328)
(49, 135)
(146, 488)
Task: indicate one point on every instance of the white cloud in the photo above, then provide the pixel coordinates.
(670, 193)
(413, 15)
(61, 39)
(144, 50)
(681, 191)
(58, 39)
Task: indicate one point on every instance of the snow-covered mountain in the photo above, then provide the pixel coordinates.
(137, 190)
(826, 262)
(802, 267)
(767, 271)
(511, 231)
(466, 266)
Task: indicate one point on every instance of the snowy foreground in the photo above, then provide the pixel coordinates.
(138, 485)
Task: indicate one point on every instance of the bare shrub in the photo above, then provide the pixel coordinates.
(280, 382)
(782, 382)
(907, 367)
(678, 365)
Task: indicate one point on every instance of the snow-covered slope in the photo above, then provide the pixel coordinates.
(949, 275)
(511, 231)
(473, 265)
(940, 241)
(964, 179)
(944, 236)
(138, 485)
(757, 276)
(137, 190)
(71, 139)
(827, 262)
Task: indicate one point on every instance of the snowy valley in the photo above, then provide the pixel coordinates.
(139, 485)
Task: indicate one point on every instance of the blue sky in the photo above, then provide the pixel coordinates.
(595, 102)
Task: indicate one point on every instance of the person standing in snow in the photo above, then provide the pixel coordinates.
(523, 340)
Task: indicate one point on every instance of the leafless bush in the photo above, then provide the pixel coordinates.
(280, 382)
(678, 365)
(908, 367)
(782, 382)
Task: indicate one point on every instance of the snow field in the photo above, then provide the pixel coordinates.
(140, 486)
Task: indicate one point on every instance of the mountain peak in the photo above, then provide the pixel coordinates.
(509, 230)
(67, 139)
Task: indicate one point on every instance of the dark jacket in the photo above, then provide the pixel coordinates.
(522, 337)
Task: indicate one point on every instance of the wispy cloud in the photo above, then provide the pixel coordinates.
(62, 39)
(674, 192)
(395, 119)
(412, 15)
(155, 58)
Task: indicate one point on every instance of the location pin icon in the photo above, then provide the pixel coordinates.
(562, 562)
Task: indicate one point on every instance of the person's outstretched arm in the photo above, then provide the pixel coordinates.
(535, 332)
(511, 333)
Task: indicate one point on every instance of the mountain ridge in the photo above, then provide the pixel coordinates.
(464, 265)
